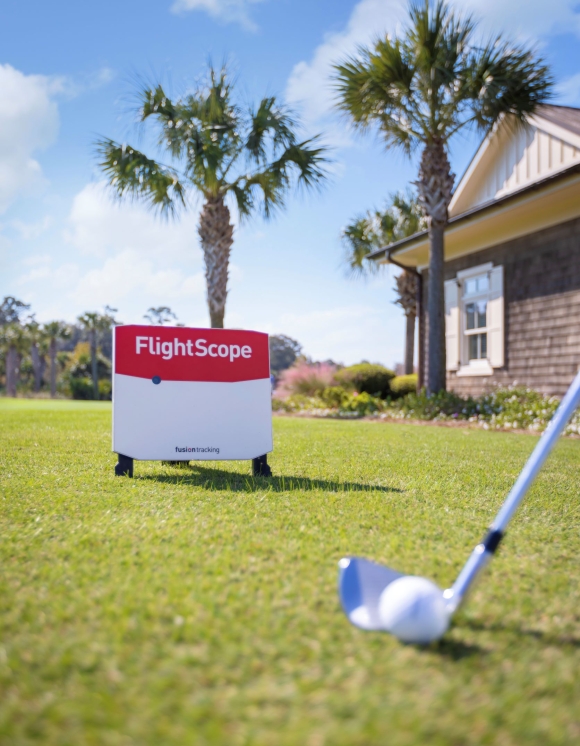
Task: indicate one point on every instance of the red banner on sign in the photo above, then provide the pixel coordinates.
(175, 353)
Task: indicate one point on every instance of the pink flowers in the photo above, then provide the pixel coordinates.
(305, 378)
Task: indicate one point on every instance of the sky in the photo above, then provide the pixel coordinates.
(67, 74)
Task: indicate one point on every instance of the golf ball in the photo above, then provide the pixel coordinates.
(413, 610)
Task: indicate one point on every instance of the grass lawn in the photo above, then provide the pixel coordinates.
(198, 606)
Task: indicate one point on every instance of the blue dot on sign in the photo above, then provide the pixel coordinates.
(156, 379)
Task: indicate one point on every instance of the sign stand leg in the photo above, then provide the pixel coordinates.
(260, 467)
(124, 467)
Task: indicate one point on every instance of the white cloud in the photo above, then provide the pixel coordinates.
(310, 84)
(36, 259)
(347, 333)
(120, 255)
(29, 123)
(84, 82)
(60, 278)
(98, 226)
(128, 273)
(29, 231)
(524, 19)
(229, 11)
(125, 279)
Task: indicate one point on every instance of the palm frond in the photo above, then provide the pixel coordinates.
(269, 120)
(265, 189)
(359, 238)
(377, 87)
(299, 164)
(377, 229)
(131, 173)
(306, 159)
(431, 81)
(502, 79)
(254, 154)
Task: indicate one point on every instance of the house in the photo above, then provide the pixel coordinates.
(512, 260)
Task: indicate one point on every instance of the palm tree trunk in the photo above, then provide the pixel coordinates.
(435, 187)
(93, 338)
(436, 311)
(410, 343)
(11, 367)
(52, 355)
(36, 366)
(216, 234)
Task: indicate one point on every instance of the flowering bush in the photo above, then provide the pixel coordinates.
(362, 404)
(514, 408)
(517, 408)
(306, 379)
(327, 404)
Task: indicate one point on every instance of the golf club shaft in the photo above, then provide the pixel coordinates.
(483, 552)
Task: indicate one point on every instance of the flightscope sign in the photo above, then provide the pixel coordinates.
(191, 394)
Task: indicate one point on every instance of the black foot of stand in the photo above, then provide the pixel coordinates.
(124, 468)
(260, 467)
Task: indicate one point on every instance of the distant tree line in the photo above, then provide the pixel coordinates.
(75, 360)
(55, 358)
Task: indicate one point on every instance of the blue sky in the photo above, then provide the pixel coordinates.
(66, 72)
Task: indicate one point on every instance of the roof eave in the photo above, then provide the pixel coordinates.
(407, 243)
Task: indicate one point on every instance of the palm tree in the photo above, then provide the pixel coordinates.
(407, 286)
(54, 331)
(252, 156)
(160, 316)
(11, 310)
(420, 90)
(15, 341)
(38, 349)
(96, 324)
(378, 229)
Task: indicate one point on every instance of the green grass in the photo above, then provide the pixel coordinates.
(198, 606)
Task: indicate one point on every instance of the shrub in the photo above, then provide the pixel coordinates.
(367, 378)
(334, 396)
(284, 352)
(81, 388)
(403, 385)
(299, 403)
(309, 379)
(443, 405)
(363, 404)
(105, 390)
(517, 408)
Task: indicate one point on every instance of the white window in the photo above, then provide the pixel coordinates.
(474, 321)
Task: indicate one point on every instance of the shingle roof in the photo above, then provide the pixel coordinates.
(566, 117)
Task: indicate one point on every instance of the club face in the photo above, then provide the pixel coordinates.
(360, 584)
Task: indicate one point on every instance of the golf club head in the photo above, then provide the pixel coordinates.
(360, 584)
(413, 609)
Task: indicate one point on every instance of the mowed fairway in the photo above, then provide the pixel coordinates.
(198, 606)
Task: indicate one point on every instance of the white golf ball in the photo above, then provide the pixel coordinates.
(413, 610)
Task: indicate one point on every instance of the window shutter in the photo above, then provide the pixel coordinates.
(495, 321)
(452, 324)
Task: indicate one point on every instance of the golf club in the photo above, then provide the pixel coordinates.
(414, 609)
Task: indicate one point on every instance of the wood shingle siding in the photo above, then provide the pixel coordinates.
(542, 310)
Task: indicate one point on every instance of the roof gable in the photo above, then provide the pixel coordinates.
(511, 158)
